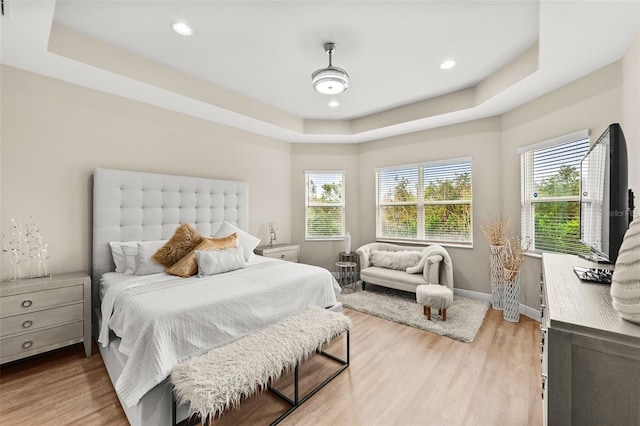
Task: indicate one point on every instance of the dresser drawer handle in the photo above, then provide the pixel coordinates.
(282, 256)
(27, 324)
(26, 303)
(27, 344)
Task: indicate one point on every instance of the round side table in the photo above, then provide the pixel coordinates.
(347, 275)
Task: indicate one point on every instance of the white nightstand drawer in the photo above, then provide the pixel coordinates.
(36, 320)
(39, 339)
(39, 300)
(288, 255)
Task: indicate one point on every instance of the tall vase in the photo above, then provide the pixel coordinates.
(347, 243)
(511, 301)
(497, 286)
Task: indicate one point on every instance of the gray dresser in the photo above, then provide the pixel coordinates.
(590, 355)
(41, 314)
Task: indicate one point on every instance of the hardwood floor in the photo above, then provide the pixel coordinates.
(398, 376)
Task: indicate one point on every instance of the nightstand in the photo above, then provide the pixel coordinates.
(287, 252)
(41, 314)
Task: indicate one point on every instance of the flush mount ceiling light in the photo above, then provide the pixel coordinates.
(182, 28)
(330, 80)
(448, 64)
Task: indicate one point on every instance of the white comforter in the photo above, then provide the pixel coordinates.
(164, 320)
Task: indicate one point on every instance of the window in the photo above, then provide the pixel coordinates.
(428, 202)
(324, 205)
(550, 193)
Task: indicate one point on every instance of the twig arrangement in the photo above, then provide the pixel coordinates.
(27, 250)
(495, 231)
(514, 250)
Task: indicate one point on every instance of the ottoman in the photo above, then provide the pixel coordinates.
(434, 296)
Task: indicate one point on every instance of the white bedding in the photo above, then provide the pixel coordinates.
(163, 320)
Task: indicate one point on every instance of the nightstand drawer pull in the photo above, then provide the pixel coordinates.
(27, 324)
(27, 344)
(282, 256)
(26, 303)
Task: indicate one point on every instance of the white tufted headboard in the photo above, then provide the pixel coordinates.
(137, 206)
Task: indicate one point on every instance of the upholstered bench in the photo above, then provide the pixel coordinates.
(219, 379)
(434, 296)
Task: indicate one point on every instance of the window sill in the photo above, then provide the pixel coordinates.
(425, 243)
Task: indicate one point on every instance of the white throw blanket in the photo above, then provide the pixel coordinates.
(164, 320)
(446, 278)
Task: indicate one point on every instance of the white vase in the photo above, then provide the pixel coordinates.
(497, 286)
(625, 286)
(347, 243)
(511, 296)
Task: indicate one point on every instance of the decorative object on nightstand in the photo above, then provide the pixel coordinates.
(27, 250)
(494, 232)
(347, 243)
(625, 287)
(272, 234)
(287, 252)
(41, 314)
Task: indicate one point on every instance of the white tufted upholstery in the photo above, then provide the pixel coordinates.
(137, 206)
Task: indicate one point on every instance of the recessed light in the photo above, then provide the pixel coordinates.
(182, 28)
(448, 64)
(334, 104)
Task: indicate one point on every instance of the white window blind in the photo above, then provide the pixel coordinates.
(550, 194)
(429, 202)
(324, 205)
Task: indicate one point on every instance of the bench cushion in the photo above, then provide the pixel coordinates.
(212, 382)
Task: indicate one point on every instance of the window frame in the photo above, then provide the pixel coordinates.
(307, 205)
(421, 204)
(527, 181)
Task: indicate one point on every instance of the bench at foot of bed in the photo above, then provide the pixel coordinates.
(219, 379)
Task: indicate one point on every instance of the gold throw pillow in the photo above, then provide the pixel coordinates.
(183, 241)
(188, 265)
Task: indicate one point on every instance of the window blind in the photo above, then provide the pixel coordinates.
(428, 202)
(324, 205)
(550, 195)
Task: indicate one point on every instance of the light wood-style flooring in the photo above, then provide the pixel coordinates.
(398, 376)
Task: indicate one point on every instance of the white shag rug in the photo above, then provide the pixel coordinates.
(464, 316)
(219, 379)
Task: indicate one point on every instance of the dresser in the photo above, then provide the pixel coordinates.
(590, 355)
(41, 314)
(287, 252)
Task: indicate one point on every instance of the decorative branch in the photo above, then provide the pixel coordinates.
(26, 249)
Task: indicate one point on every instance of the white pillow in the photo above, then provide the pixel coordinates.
(130, 257)
(247, 241)
(144, 264)
(118, 254)
(211, 262)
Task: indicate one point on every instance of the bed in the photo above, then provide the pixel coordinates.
(147, 326)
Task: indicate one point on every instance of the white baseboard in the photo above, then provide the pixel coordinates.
(524, 310)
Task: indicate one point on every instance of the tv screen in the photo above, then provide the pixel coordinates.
(604, 208)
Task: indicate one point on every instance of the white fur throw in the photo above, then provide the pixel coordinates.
(219, 379)
(400, 260)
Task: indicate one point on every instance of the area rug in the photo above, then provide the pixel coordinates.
(464, 316)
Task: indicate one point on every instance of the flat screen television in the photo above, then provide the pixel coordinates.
(604, 195)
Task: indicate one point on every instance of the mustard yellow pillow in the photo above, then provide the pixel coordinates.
(188, 265)
(183, 241)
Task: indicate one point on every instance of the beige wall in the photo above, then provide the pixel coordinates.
(324, 157)
(631, 114)
(54, 135)
(592, 102)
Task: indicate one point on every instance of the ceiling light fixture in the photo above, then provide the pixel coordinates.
(182, 28)
(448, 64)
(330, 80)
